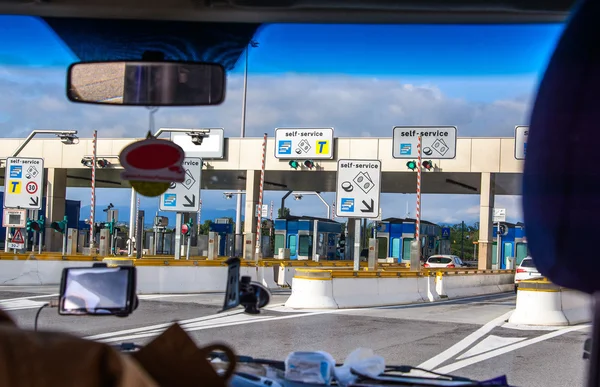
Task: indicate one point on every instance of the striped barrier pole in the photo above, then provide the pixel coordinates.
(418, 216)
(260, 200)
(199, 216)
(333, 211)
(93, 198)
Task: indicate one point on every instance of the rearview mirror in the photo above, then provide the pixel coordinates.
(141, 83)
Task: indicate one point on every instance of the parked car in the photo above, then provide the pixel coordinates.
(525, 271)
(443, 261)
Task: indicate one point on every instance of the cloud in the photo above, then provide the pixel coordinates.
(354, 106)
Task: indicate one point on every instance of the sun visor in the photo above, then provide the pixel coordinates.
(561, 184)
(117, 39)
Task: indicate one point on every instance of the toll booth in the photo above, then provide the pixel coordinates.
(513, 243)
(224, 229)
(297, 234)
(72, 212)
(394, 236)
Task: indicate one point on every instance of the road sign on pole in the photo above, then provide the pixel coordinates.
(184, 196)
(438, 142)
(23, 182)
(521, 134)
(304, 143)
(358, 188)
(499, 215)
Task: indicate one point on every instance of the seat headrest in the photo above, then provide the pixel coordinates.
(561, 185)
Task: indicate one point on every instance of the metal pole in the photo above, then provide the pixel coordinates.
(324, 202)
(93, 197)
(418, 214)
(315, 240)
(139, 243)
(238, 203)
(64, 245)
(357, 226)
(6, 239)
(178, 235)
(462, 240)
(199, 216)
(189, 242)
(260, 200)
(39, 243)
(34, 133)
(132, 219)
(498, 249)
(283, 201)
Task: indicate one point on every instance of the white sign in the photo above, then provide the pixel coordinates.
(212, 146)
(184, 196)
(265, 211)
(437, 142)
(23, 182)
(304, 143)
(358, 189)
(17, 246)
(499, 215)
(521, 134)
(14, 218)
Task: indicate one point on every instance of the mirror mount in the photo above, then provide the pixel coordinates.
(153, 56)
(252, 295)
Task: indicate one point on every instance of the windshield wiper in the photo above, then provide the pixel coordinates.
(407, 380)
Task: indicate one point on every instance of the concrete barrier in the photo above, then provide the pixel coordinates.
(540, 302)
(34, 272)
(332, 289)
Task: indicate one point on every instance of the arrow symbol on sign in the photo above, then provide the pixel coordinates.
(368, 208)
(34, 201)
(190, 202)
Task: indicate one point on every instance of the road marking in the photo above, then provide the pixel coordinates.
(489, 343)
(191, 326)
(464, 343)
(476, 359)
(21, 303)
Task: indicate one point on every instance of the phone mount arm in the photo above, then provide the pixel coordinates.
(243, 291)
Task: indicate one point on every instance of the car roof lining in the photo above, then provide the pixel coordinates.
(302, 11)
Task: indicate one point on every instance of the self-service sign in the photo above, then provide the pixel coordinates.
(521, 134)
(23, 182)
(358, 189)
(304, 143)
(437, 142)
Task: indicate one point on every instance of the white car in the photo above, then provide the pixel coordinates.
(445, 261)
(525, 271)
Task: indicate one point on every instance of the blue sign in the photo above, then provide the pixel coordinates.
(445, 232)
(16, 171)
(170, 200)
(285, 147)
(405, 149)
(347, 205)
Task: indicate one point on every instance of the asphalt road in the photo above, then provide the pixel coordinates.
(467, 337)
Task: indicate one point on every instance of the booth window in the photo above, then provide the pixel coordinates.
(304, 248)
(279, 242)
(292, 240)
(382, 252)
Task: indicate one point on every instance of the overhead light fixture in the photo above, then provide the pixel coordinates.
(103, 163)
(86, 162)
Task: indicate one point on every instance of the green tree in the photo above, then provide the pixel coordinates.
(464, 237)
(205, 227)
(283, 214)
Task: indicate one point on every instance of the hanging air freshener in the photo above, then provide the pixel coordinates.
(151, 165)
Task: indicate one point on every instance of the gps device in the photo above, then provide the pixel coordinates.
(98, 291)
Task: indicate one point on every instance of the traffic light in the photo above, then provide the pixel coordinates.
(412, 165)
(427, 164)
(111, 227)
(60, 226)
(103, 163)
(186, 228)
(294, 164)
(34, 225)
(309, 164)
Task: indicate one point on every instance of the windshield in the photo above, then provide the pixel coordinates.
(348, 102)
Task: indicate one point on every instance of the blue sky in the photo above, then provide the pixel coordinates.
(361, 80)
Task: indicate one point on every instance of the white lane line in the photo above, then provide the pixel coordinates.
(497, 352)
(29, 298)
(221, 325)
(464, 343)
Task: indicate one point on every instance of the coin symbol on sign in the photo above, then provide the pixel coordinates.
(31, 187)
